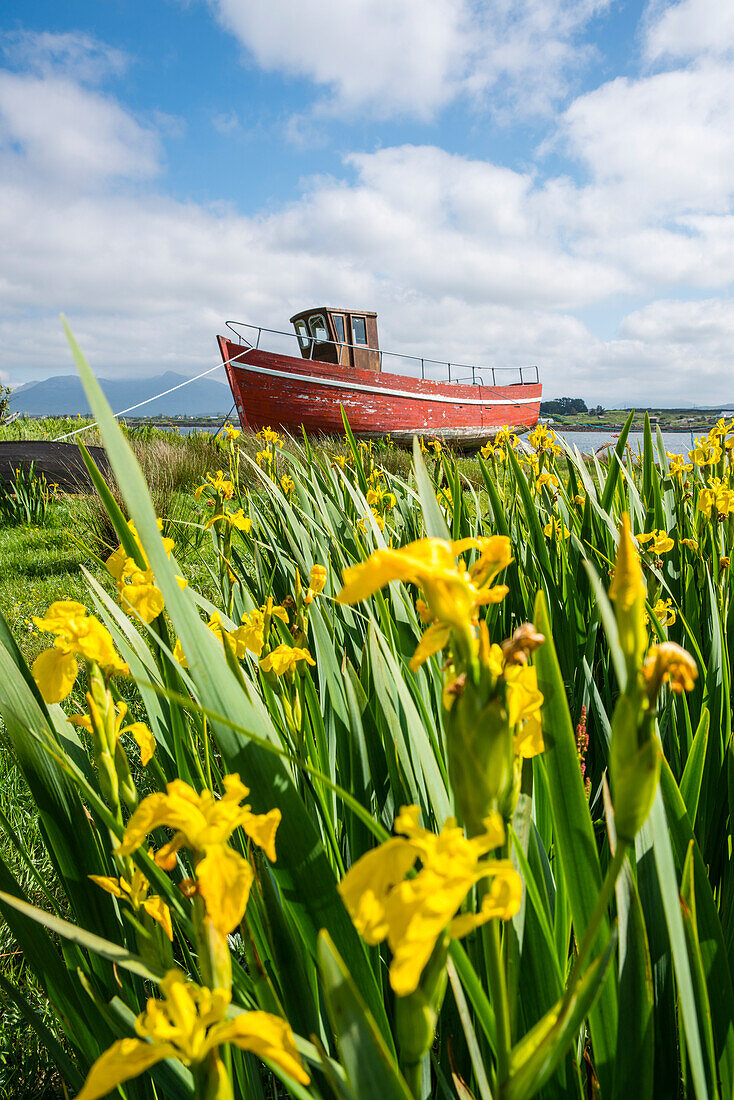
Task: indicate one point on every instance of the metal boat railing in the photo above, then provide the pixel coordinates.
(479, 376)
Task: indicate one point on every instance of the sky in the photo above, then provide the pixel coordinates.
(506, 182)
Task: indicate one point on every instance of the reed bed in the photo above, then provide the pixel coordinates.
(433, 799)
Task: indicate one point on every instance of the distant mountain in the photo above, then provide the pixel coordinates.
(63, 394)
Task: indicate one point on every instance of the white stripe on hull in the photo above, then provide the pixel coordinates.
(337, 383)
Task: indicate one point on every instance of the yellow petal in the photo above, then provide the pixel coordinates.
(262, 829)
(384, 566)
(145, 741)
(224, 879)
(523, 697)
(239, 520)
(125, 1059)
(156, 908)
(284, 658)
(111, 885)
(83, 721)
(267, 1036)
(55, 672)
(529, 741)
(433, 639)
(146, 600)
(60, 613)
(417, 912)
(317, 579)
(502, 901)
(116, 562)
(178, 808)
(496, 594)
(366, 885)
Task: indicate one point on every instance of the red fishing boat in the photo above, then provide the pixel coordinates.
(333, 361)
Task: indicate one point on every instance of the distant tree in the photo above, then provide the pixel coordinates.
(598, 411)
(563, 406)
(5, 392)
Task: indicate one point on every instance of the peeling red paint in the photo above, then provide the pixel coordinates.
(286, 392)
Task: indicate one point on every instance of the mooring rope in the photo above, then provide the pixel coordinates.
(131, 408)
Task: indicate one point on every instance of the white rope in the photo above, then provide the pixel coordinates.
(85, 427)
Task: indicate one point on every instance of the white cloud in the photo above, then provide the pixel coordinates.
(690, 28)
(665, 143)
(413, 57)
(699, 325)
(72, 54)
(226, 123)
(53, 126)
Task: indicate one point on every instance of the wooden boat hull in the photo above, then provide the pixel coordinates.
(286, 393)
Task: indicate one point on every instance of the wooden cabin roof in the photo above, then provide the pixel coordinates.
(332, 309)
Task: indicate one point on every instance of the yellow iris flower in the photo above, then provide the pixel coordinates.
(136, 586)
(452, 593)
(660, 542)
(233, 638)
(251, 633)
(716, 494)
(135, 891)
(380, 498)
(217, 483)
(188, 1025)
(316, 582)
(204, 824)
(412, 913)
(665, 612)
(229, 432)
(678, 465)
(707, 452)
(379, 520)
(77, 634)
(284, 659)
(269, 436)
(317, 579)
(544, 439)
(236, 519)
(555, 528)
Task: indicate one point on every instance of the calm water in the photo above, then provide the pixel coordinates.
(588, 442)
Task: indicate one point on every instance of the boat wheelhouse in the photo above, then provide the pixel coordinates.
(332, 361)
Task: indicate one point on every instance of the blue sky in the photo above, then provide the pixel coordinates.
(505, 181)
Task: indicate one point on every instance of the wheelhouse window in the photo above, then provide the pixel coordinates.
(302, 334)
(359, 331)
(339, 327)
(319, 331)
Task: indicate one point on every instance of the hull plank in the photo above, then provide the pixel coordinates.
(285, 392)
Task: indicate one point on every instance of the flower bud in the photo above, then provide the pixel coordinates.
(628, 592)
(481, 755)
(417, 1014)
(634, 764)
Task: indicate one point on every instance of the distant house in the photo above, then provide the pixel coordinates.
(550, 420)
